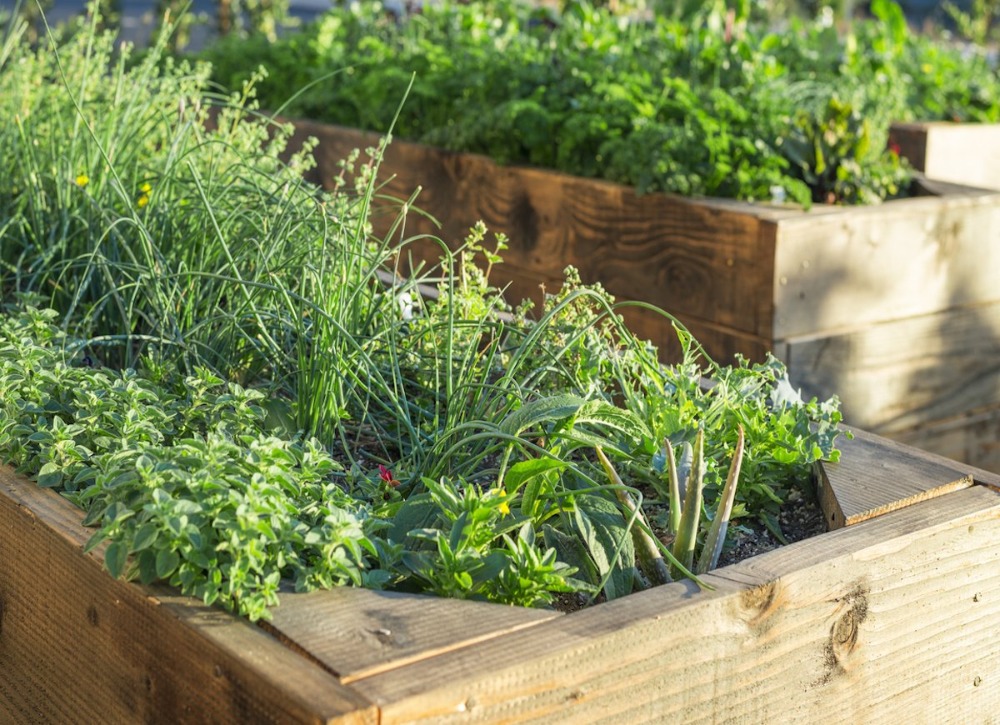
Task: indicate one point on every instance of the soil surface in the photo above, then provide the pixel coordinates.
(800, 519)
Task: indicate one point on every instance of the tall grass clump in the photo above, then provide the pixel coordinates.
(160, 218)
(243, 387)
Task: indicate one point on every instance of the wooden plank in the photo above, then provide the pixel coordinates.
(891, 618)
(767, 273)
(895, 375)
(844, 268)
(770, 272)
(356, 633)
(973, 437)
(911, 138)
(704, 259)
(721, 343)
(965, 153)
(79, 646)
(875, 476)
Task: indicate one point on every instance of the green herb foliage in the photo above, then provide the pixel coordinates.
(222, 367)
(697, 105)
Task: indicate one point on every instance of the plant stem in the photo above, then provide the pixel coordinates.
(687, 534)
(650, 559)
(720, 524)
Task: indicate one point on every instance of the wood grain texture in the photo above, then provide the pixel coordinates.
(964, 153)
(893, 376)
(706, 260)
(868, 623)
(356, 633)
(839, 269)
(875, 476)
(894, 618)
(774, 272)
(973, 437)
(79, 646)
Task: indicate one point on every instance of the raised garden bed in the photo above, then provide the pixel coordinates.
(893, 307)
(962, 153)
(889, 616)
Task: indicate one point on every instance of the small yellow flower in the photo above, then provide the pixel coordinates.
(145, 189)
(504, 508)
(82, 180)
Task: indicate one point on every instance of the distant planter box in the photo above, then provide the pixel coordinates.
(895, 307)
(963, 153)
(893, 613)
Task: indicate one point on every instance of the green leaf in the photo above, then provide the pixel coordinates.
(601, 526)
(687, 530)
(490, 566)
(539, 476)
(524, 471)
(94, 514)
(716, 536)
(144, 536)
(571, 550)
(603, 413)
(552, 409)
(147, 566)
(115, 557)
(96, 539)
(167, 561)
(50, 475)
(417, 512)
(457, 538)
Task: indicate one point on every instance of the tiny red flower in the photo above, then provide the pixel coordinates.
(386, 475)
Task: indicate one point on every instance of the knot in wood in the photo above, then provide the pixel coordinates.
(845, 631)
(761, 602)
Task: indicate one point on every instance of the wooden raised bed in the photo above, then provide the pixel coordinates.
(894, 616)
(895, 308)
(963, 153)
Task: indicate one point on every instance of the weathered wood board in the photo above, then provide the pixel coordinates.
(856, 488)
(772, 272)
(78, 646)
(896, 616)
(358, 633)
(896, 375)
(964, 153)
(893, 307)
(892, 618)
(710, 274)
(972, 436)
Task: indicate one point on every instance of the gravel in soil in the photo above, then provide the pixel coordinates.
(800, 518)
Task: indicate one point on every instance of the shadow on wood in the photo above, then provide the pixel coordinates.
(894, 307)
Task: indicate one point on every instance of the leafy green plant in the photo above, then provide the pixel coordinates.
(591, 92)
(244, 390)
(979, 23)
(840, 160)
(686, 496)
